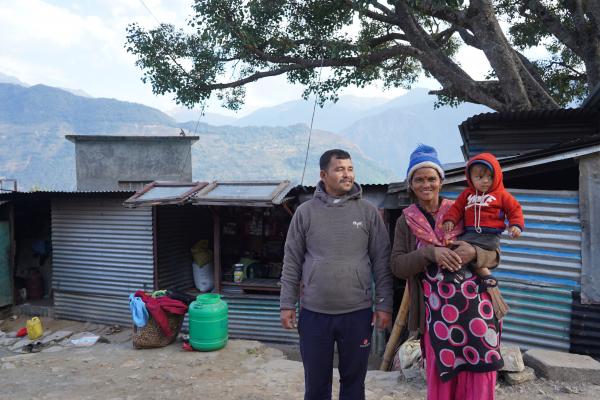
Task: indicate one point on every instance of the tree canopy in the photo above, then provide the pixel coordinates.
(230, 43)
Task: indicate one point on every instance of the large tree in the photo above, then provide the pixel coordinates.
(230, 43)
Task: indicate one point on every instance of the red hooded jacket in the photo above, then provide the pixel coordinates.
(493, 207)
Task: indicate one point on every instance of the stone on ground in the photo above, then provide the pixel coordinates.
(517, 378)
(513, 359)
(560, 366)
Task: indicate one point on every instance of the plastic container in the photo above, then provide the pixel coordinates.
(238, 273)
(34, 328)
(208, 322)
(204, 277)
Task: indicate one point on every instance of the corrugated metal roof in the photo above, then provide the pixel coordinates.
(46, 194)
(521, 116)
(569, 149)
(509, 134)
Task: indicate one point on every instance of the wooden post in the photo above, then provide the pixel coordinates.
(399, 325)
(589, 210)
(217, 248)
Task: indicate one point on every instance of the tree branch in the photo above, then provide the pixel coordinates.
(375, 57)
(445, 70)
(576, 74)
(442, 37)
(450, 15)
(300, 64)
(248, 79)
(372, 14)
(555, 26)
(381, 7)
(386, 38)
(469, 38)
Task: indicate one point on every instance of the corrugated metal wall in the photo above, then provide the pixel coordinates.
(254, 317)
(102, 252)
(585, 327)
(257, 317)
(540, 271)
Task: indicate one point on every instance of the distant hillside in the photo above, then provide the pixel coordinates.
(386, 131)
(41, 104)
(331, 117)
(11, 79)
(182, 114)
(392, 134)
(264, 153)
(34, 121)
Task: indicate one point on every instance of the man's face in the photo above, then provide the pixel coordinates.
(339, 177)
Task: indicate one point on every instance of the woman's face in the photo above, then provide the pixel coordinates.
(426, 184)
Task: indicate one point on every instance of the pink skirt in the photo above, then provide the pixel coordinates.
(466, 385)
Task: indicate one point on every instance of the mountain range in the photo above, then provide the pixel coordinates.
(269, 143)
(385, 130)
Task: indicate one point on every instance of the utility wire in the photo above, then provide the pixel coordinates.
(312, 118)
(188, 155)
(150, 11)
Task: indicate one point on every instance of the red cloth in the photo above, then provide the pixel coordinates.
(159, 306)
(494, 205)
(22, 332)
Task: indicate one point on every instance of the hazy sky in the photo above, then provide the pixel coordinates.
(79, 44)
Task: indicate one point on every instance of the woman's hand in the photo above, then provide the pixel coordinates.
(465, 251)
(448, 259)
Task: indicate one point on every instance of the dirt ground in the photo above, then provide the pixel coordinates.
(243, 370)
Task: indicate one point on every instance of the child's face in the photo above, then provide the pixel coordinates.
(481, 177)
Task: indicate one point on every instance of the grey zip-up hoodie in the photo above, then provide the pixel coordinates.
(335, 247)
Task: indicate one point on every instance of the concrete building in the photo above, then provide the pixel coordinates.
(129, 162)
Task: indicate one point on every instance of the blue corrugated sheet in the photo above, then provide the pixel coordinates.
(540, 271)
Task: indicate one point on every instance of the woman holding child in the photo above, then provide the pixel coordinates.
(457, 321)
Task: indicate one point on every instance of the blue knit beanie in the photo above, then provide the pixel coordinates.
(424, 156)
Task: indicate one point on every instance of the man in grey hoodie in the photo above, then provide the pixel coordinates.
(337, 244)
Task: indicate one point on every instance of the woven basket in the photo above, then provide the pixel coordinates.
(151, 336)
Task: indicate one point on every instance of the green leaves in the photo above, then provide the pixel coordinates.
(230, 43)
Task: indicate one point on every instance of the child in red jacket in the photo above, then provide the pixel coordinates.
(483, 207)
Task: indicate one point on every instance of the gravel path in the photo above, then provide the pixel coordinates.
(243, 370)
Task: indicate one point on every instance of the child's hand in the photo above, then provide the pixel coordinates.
(514, 232)
(448, 226)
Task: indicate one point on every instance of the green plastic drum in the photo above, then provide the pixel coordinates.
(208, 322)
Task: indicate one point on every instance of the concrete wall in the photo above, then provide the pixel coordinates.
(589, 208)
(104, 161)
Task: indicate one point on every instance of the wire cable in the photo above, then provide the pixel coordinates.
(312, 118)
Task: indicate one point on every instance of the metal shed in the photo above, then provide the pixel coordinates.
(251, 316)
